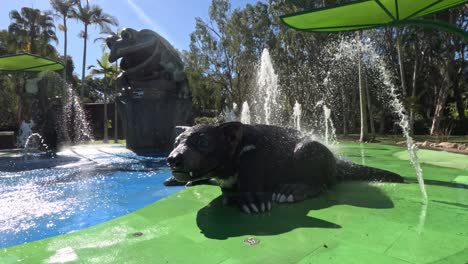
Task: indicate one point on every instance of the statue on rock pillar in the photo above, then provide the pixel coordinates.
(154, 91)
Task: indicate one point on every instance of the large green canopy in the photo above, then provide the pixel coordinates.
(366, 14)
(28, 62)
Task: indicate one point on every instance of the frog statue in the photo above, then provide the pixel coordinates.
(154, 90)
(146, 55)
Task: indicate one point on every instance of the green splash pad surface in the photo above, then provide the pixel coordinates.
(355, 222)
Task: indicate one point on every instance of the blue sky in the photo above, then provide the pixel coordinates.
(173, 19)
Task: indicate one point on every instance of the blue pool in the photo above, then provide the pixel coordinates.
(96, 185)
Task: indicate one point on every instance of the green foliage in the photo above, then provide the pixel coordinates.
(52, 83)
(70, 67)
(93, 14)
(64, 9)
(109, 73)
(33, 30)
(224, 52)
(9, 102)
(203, 120)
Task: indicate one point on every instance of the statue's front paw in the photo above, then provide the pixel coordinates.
(171, 181)
(254, 202)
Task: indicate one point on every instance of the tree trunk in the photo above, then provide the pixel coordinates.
(382, 122)
(84, 63)
(402, 69)
(446, 71)
(116, 130)
(116, 125)
(362, 102)
(106, 136)
(457, 93)
(345, 112)
(369, 108)
(413, 96)
(65, 41)
(441, 98)
(32, 42)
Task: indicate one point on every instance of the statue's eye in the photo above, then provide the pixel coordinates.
(202, 141)
(125, 35)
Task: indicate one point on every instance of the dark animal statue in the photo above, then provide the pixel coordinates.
(146, 56)
(256, 165)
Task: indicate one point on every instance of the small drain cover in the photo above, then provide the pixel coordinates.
(251, 241)
(137, 234)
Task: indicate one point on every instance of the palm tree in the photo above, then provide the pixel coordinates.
(108, 33)
(64, 9)
(89, 15)
(110, 73)
(33, 30)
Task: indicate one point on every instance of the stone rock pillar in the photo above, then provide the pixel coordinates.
(151, 111)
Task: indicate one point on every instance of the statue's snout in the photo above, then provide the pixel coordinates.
(111, 42)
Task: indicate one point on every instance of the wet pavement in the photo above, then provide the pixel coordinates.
(355, 222)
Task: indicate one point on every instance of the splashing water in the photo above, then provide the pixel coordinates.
(74, 127)
(245, 113)
(404, 124)
(329, 134)
(267, 107)
(330, 131)
(34, 143)
(24, 132)
(230, 114)
(398, 109)
(297, 115)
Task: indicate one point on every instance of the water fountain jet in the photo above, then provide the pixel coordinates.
(398, 109)
(267, 91)
(245, 113)
(74, 126)
(297, 115)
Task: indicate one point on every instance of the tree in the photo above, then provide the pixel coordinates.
(110, 73)
(7, 43)
(89, 15)
(33, 30)
(428, 66)
(224, 50)
(450, 71)
(109, 32)
(64, 8)
(8, 102)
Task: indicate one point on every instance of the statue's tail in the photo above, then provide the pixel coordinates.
(349, 171)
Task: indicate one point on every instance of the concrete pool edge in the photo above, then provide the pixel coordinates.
(170, 229)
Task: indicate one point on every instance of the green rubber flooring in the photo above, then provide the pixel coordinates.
(355, 222)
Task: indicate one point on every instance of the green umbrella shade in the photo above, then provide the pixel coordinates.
(366, 14)
(28, 62)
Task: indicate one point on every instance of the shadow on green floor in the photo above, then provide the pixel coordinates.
(438, 183)
(220, 222)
